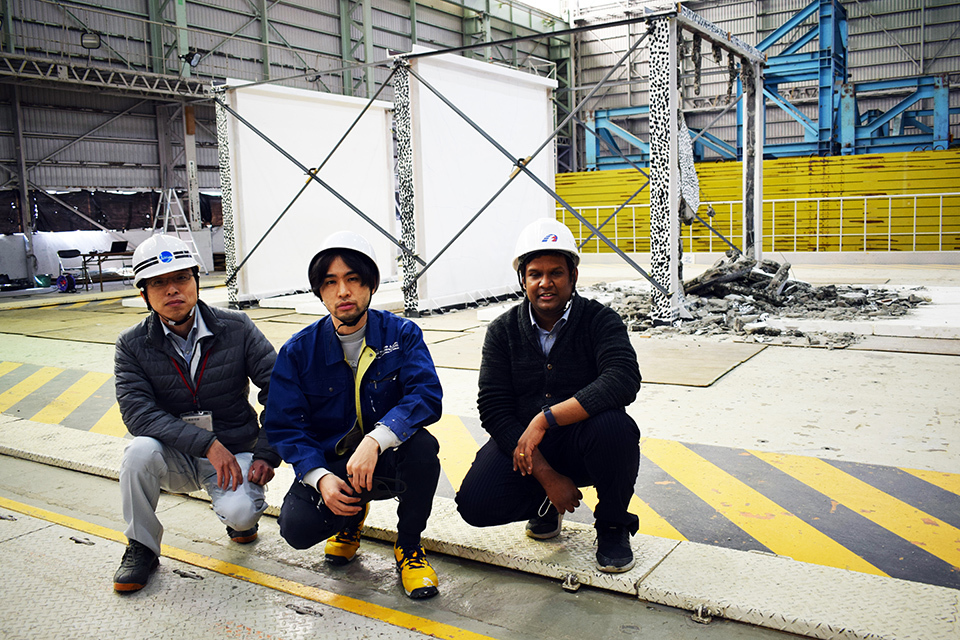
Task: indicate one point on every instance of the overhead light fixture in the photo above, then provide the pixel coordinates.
(89, 40)
(192, 57)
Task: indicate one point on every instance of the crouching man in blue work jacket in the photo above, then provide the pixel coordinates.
(349, 399)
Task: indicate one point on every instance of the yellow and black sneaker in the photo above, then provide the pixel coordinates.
(418, 577)
(342, 548)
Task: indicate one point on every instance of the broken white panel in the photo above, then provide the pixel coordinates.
(456, 171)
(689, 183)
(306, 125)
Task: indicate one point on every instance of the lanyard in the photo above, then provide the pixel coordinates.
(367, 356)
(194, 391)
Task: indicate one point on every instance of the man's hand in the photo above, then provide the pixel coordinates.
(338, 496)
(528, 442)
(260, 472)
(228, 469)
(561, 490)
(361, 464)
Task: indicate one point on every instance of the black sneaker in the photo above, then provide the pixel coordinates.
(614, 554)
(243, 537)
(547, 526)
(135, 568)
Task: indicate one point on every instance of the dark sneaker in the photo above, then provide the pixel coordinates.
(135, 568)
(243, 537)
(342, 548)
(545, 527)
(614, 554)
(417, 576)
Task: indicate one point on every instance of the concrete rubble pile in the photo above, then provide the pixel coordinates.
(739, 296)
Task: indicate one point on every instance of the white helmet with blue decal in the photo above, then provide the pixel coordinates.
(545, 234)
(158, 255)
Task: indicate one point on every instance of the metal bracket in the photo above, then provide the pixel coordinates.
(570, 583)
(701, 616)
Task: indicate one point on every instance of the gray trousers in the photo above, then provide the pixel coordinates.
(149, 465)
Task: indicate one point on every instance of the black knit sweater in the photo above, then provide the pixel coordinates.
(591, 360)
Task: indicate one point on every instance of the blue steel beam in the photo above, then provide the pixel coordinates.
(799, 18)
(604, 125)
(838, 125)
(801, 42)
(865, 131)
(725, 150)
(810, 129)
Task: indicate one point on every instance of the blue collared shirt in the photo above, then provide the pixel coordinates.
(189, 348)
(547, 338)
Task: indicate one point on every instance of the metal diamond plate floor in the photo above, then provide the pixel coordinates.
(180, 602)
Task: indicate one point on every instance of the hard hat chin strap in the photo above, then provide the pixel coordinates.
(171, 323)
(351, 323)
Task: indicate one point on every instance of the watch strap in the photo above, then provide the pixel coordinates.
(548, 414)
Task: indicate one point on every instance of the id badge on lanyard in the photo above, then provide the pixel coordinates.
(199, 418)
(202, 419)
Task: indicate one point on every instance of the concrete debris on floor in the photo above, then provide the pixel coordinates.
(739, 296)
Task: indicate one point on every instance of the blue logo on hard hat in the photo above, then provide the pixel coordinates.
(550, 238)
(166, 256)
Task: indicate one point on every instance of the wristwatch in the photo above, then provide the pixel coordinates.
(548, 414)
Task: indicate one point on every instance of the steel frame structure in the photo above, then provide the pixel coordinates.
(665, 25)
(840, 127)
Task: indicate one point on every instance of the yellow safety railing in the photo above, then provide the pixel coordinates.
(890, 202)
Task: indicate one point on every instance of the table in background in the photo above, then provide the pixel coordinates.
(104, 256)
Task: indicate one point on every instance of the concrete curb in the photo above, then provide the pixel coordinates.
(760, 589)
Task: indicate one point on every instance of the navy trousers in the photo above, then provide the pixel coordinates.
(413, 468)
(602, 451)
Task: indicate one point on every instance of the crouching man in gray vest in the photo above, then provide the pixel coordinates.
(183, 380)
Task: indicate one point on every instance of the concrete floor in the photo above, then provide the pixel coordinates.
(475, 598)
(888, 408)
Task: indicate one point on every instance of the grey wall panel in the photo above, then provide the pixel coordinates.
(96, 177)
(438, 35)
(439, 19)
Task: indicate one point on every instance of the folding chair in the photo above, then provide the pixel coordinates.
(70, 275)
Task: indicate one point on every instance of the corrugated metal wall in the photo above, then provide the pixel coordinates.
(888, 39)
(813, 220)
(304, 36)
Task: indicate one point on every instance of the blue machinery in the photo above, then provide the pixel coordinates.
(840, 127)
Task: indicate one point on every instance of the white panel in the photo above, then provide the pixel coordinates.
(307, 125)
(457, 171)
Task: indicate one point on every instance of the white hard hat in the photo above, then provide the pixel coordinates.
(545, 234)
(158, 255)
(346, 240)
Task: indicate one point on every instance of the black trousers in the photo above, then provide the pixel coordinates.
(602, 451)
(305, 521)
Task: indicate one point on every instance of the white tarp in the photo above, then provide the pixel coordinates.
(307, 125)
(457, 171)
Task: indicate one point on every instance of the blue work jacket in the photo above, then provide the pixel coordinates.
(312, 402)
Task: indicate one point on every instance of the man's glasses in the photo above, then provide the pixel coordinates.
(158, 284)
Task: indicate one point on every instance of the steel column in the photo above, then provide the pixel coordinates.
(751, 240)
(26, 209)
(403, 126)
(183, 38)
(155, 29)
(264, 38)
(190, 162)
(164, 114)
(226, 200)
(664, 171)
(6, 30)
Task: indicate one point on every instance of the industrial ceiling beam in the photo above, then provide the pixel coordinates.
(29, 69)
